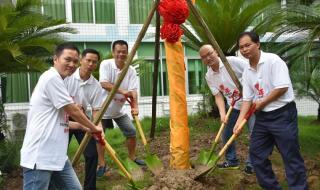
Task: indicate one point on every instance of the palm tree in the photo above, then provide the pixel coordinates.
(27, 37)
(226, 19)
(303, 23)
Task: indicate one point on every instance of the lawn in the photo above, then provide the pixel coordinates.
(202, 131)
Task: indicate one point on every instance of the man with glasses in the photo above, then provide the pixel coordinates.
(222, 86)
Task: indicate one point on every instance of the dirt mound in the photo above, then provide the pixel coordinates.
(176, 179)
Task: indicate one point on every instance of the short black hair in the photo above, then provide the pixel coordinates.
(93, 51)
(119, 42)
(252, 35)
(59, 49)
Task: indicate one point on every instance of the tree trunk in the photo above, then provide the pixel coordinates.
(155, 76)
(318, 118)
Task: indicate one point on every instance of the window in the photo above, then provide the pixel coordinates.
(55, 8)
(102, 13)
(105, 11)
(17, 86)
(138, 10)
(146, 77)
(196, 74)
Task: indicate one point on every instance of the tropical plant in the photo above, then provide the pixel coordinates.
(299, 31)
(27, 37)
(226, 19)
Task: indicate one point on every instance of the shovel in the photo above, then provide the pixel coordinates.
(152, 161)
(206, 157)
(235, 97)
(214, 162)
(125, 168)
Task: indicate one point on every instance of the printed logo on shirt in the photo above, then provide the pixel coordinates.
(225, 90)
(119, 100)
(260, 90)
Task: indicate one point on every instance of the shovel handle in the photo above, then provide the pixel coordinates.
(223, 125)
(144, 140)
(234, 136)
(112, 154)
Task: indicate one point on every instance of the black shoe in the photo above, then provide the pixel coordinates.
(248, 170)
(140, 162)
(225, 165)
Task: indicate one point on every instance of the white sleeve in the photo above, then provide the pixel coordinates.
(238, 65)
(280, 74)
(97, 97)
(57, 92)
(247, 91)
(133, 80)
(103, 72)
(211, 85)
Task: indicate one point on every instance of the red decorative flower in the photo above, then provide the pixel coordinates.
(174, 11)
(171, 32)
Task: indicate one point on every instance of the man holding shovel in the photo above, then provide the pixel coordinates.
(222, 85)
(267, 84)
(109, 72)
(86, 92)
(44, 150)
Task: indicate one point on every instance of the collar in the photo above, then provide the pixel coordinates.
(221, 65)
(262, 60)
(77, 76)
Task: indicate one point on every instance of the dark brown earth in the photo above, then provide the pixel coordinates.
(183, 179)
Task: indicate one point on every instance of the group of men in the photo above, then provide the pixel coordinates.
(266, 83)
(59, 108)
(63, 94)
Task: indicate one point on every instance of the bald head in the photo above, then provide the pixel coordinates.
(208, 55)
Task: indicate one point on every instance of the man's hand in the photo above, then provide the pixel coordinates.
(236, 129)
(223, 118)
(260, 104)
(126, 93)
(134, 111)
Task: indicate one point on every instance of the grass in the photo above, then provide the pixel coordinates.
(308, 136)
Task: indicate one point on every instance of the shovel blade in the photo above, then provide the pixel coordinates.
(206, 159)
(134, 169)
(154, 164)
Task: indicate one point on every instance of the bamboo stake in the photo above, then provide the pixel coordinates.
(108, 100)
(215, 45)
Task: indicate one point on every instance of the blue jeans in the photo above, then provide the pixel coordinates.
(124, 123)
(34, 179)
(278, 128)
(231, 154)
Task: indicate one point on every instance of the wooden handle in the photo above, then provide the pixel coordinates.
(108, 100)
(223, 125)
(231, 139)
(143, 137)
(215, 45)
(113, 156)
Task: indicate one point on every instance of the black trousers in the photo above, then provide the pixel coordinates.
(91, 159)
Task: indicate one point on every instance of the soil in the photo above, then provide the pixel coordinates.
(183, 179)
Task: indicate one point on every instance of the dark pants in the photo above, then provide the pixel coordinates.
(91, 159)
(278, 127)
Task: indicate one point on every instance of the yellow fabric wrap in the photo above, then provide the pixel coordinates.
(179, 131)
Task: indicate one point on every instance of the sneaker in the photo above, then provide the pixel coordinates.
(101, 171)
(248, 170)
(139, 162)
(226, 165)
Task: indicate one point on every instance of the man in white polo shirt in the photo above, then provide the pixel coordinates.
(44, 149)
(267, 84)
(86, 92)
(222, 85)
(109, 71)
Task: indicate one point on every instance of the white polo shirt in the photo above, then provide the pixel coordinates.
(222, 82)
(109, 72)
(87, 93)
(46, 140)
(272, 73)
